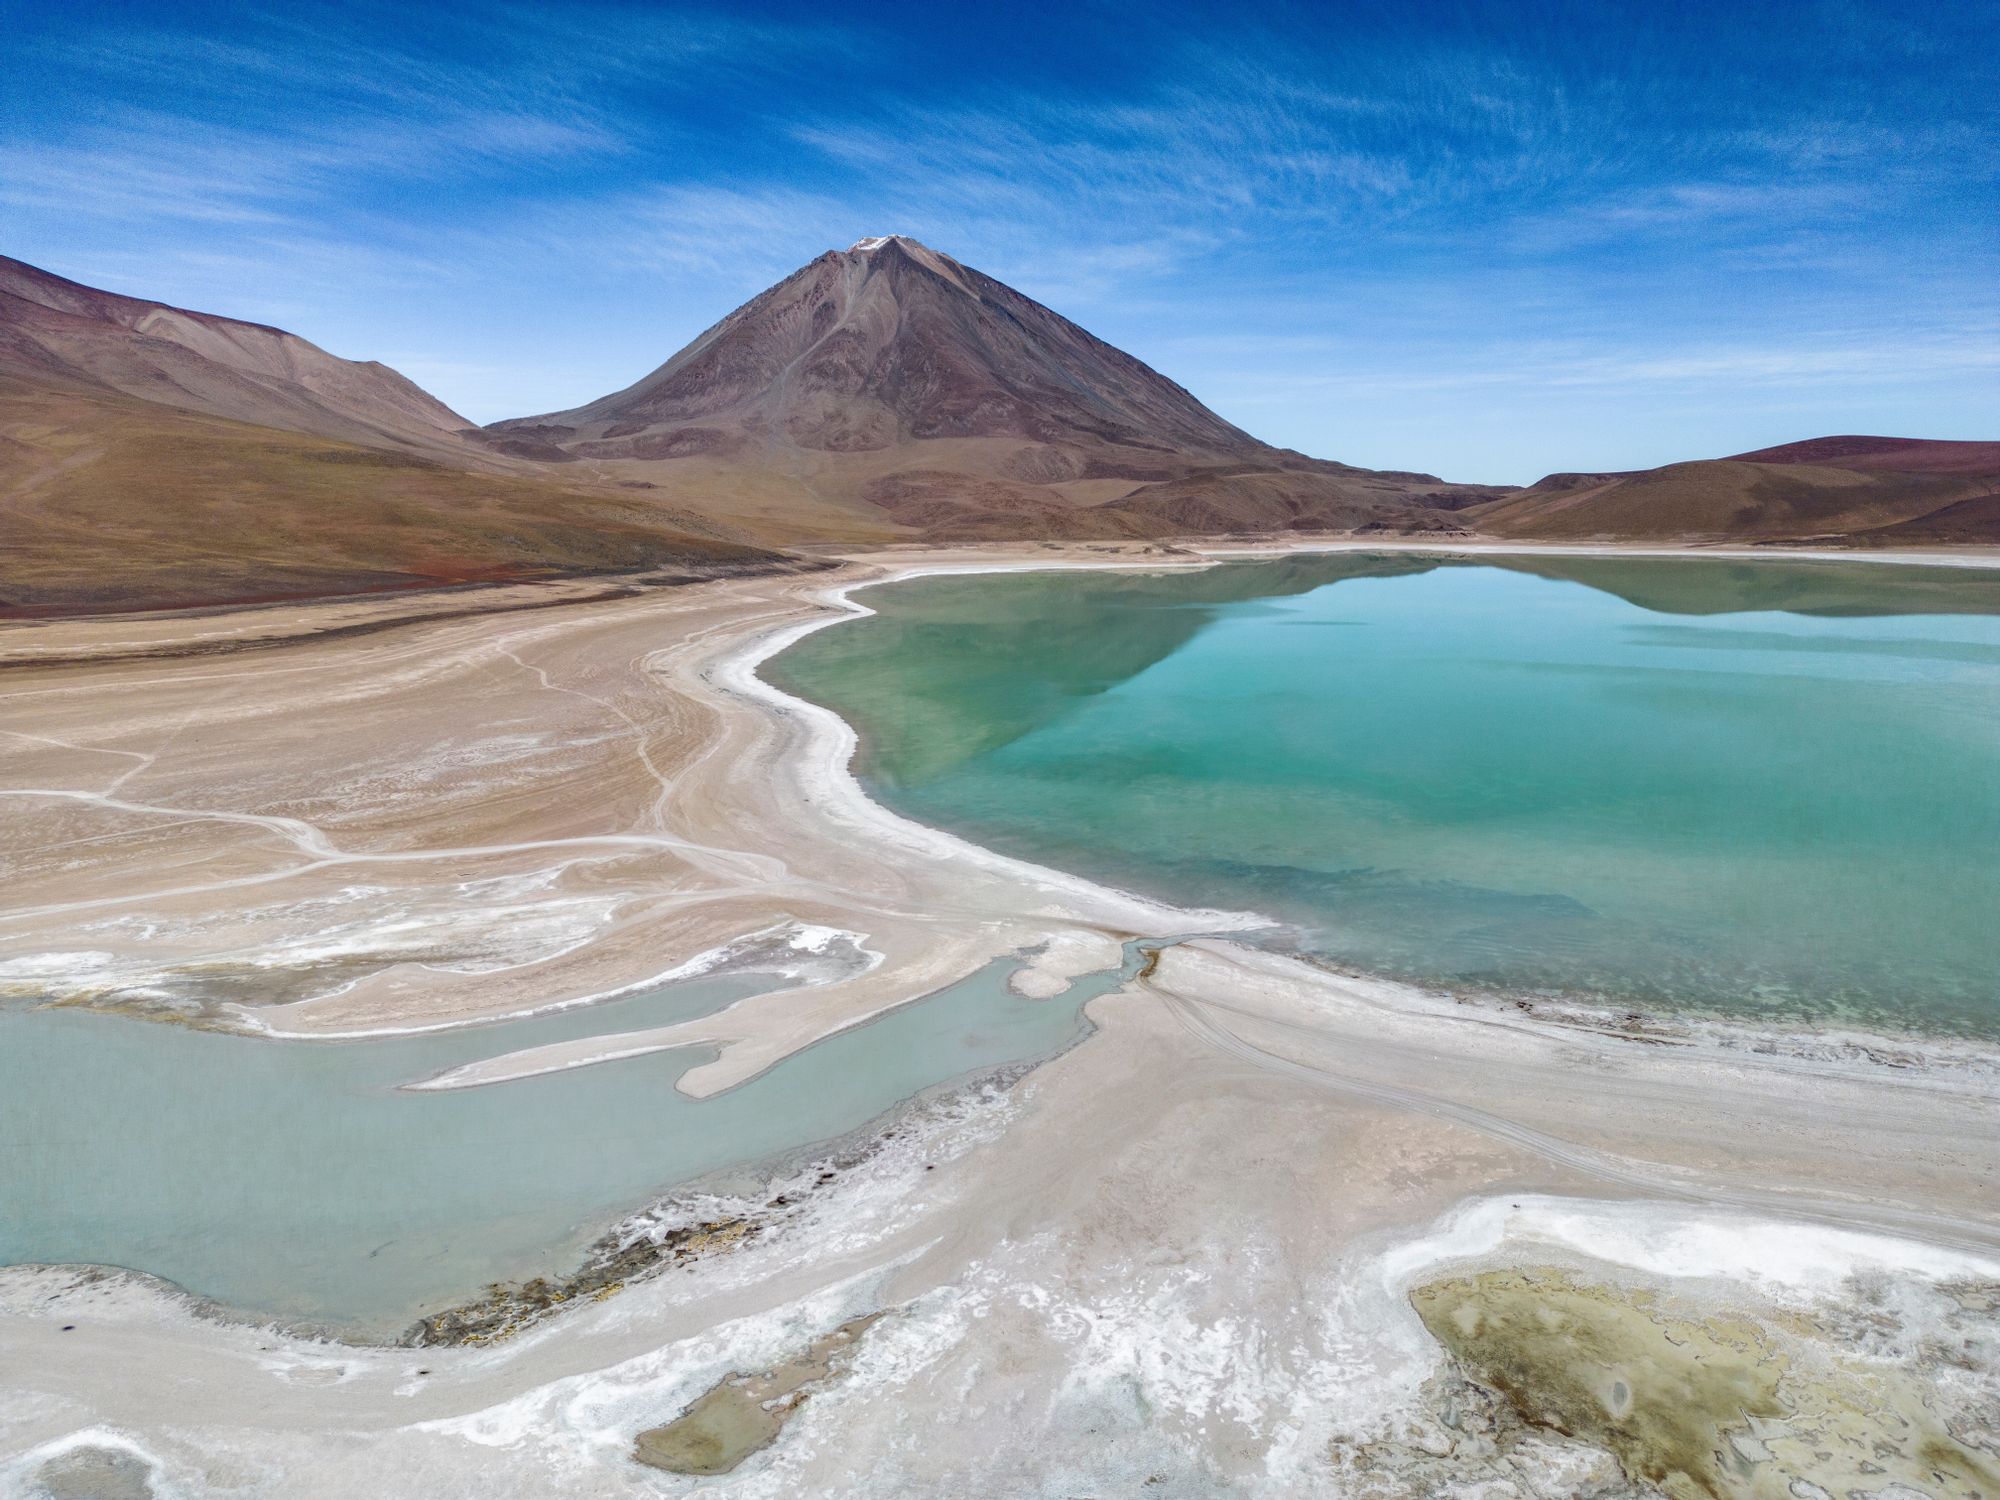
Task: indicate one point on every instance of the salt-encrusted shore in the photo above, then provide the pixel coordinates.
(1176, 1258)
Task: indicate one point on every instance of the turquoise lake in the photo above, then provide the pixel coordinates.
(1706, 785)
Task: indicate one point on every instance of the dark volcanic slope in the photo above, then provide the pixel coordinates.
(1868, 491)
(889, 387)
(151, 456)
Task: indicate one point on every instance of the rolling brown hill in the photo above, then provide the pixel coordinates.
(889, 390)
(1892, 454)
(1848, 490)
(67, 333)
(154, 457)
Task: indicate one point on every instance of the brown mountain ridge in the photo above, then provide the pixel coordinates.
(155, 457)
(76, 335)
(1849, 490)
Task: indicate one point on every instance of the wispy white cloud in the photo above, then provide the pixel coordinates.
(306, 112)
(1636, 367)
(1406, 206)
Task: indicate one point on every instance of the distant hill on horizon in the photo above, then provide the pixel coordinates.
(1897, 455)
(1850, 490)
(156, 457)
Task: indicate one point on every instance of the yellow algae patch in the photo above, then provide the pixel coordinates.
(1700, 1404)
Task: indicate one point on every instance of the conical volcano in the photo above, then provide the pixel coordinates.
(891, 342)
(889, 387)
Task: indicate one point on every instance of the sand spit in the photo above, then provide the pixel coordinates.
(1269, 1231)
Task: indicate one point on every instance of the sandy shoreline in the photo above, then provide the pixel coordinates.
(771, 738)
(540, 810)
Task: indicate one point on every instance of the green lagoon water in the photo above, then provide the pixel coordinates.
(297, 1180)
(1766, 788)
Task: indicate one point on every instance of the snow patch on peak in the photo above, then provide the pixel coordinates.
(916, 251)
(883, 241)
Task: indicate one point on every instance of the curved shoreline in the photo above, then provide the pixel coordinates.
(1833, 1053)
(826, 785)
(822, 764)
(835, 755)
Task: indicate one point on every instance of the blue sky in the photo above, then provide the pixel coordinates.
(1486, 240)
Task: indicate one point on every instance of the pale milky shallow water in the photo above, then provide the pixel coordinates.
(297, 1180)
(1763, 788)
